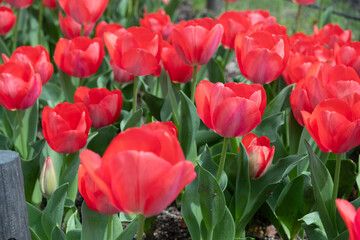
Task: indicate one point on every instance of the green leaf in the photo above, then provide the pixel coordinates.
(57, 234)
(52, 94)
(129, 231)
(53, 213)
(67, 86)
(326, 16)
(206, 137)
(322, 187)
(71, 169)
(313, 226)
(278, 102)
(269, 126)
(225, 229)
(215, 71)
(295, 131)
(154, 104)
(102, 140)
(35, 215)
(212, 200)
(189, 124)
(94, 224)
(74, 234)
(132, 120)
(73, 223)
(242, 187)
(298, 192)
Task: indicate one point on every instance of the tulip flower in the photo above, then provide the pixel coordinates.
(7, 20)
(104, 106)
(103, 27)
(331, 34)
(297, 67)
(71, 29)
(120, 75)
(49, 3)
(230, 109)
(349, 55)
(48, 180)
(351, 217)
(20, 87)
(260, 154)
(19, 3)
(233, 23)
(304, 2)
(79, 57)
(178, 71)
(262, 55)
(322, 82)
(37, 56)
(158, 22)
(142, 171)
(259, 16)
(66, 127)
(83, 11)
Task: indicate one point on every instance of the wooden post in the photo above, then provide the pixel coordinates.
(13, 212)
(214, 6)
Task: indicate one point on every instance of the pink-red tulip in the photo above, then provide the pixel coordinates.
(349, 55)
(351, 217)
(262, 55)
(66, 127)
(331, 34)
(142, 170)
(49, 3)
(260, 154)
(335, 124)
(297, 67)
(259, 16)
(20, 87)
(178, 71)
(104, 105)
(83, 11)
(103, 27)
(19, 3)
(322, 82)
(79, 57)
(304, 2)
(71, 29)
(7, 20)
(135, 47)
(230, 109)
(38, 57)
(197, 41)
(120, 75)
(158, 22)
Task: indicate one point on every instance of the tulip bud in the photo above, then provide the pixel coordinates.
(260, 154)
(48, 182)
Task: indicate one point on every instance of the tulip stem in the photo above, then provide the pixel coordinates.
(193, 88)
(22, 137)
(41, 10)
(82, 30)
(136, 8)
(110, 227)
(336, 178)
(15, 32)
(140, 227)
(320, 12)
(136, 78)
(173, 103)
(227, 58)
(298, 17)
(222, 159)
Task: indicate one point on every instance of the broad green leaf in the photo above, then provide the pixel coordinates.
(132, 120)
(326, 17)
(35, 221)
(269, 126)
(53, 213)
(33, 235)
(67, 86)
(74, 234)
(225, 229)
(129, 231)
(242, 187)
(70, 173)
(206, 137)
(52, 94)
(57, 234)
(73, 223)
(295, 132)
(154, 104)
(94, 224)
(323, 187)
(276, 105)
(313, 226)
(215, 71)
(267, 209)
(102, 140)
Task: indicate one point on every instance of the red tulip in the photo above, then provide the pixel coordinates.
(71, 29)
(20, 87)
(335, 124)
(38, 57)
(262, 55)
(158, 22)
(120, 75)
(233, 23)
(197, 41)
(331, 34)
(49, 3)
(259, 16)
(322, 82)
(260, 154)
(104, 106)
(349, 55)
(7, 20)
(148, 161)
(135, 47)
(178, 71)
(79, 57)
(230, 109)
(66, 127)
(103, 27)
(297, 67)
(351, 217)
(304, 2)
(83, 11)
(19, 3)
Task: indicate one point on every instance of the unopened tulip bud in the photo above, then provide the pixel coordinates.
(48, 182)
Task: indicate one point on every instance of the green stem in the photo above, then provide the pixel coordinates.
(222, 159)
(110, 227)
(227, 58)
(80, 82)
(226, 6)
(210, 234)
(41, 10)
(173, 103)
(298, 17)
(136, 8)
(82, 31)
(193, 88)
(22, 137)
(136, 78)
(336, 178)
(140, 227)
(16, 29)
(108, 10)
(234, 145)
(320, 11)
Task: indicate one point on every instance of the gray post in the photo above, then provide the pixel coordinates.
(13, 212)
(214, 6)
